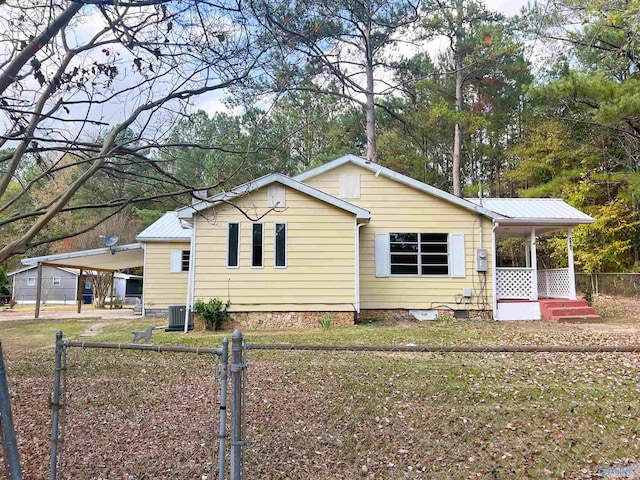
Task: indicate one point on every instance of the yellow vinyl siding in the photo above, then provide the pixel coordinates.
(320, 272)
(161, 287)
(396, 207)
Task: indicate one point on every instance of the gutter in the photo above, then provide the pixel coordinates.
(357, 289)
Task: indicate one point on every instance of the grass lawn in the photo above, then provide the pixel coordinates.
(318, 415)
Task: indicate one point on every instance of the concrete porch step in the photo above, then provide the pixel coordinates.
(576, 319)
(563, 303)
(564, 311)
(568, 311)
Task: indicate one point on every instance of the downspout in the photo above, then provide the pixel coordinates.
(494, 267)
(191, 277)
(357, 240)
(144, 276)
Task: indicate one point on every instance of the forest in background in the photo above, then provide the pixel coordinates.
(543, 104)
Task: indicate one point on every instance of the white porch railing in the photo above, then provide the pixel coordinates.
(514, 283)
(554, 283)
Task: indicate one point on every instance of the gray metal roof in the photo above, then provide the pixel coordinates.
(167, 228)
(534, 210)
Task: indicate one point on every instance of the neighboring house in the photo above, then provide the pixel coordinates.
(351, 237)
(60, 285)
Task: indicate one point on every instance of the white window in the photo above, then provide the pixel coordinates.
(55, 281)
(280, 245)
(420, 254)
(350, 185)
(87, 285)
(257, 245)
(180, 261)
(31, 281)
(233, 245)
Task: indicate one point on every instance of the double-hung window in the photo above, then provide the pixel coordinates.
(233, 245)
(280, 242)
(257, 245)
(419, 253)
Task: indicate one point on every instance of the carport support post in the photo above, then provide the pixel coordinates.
(80, 285)
(113, 284)
(38, 291)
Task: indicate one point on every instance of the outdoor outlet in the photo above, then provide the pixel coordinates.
(466, 292)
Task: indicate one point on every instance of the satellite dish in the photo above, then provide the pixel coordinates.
(110, 240)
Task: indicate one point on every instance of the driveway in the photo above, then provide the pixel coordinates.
(57, 313)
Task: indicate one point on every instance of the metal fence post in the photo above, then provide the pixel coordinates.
(55, 404)
(224, 375)
(9, 444)
(237, 381)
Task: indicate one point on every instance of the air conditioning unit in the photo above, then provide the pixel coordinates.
(177, 315)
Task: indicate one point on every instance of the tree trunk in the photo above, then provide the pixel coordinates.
(457, 136)
(370, 97)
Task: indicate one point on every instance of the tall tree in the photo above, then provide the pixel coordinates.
(340, 45)
(470, 29)
(77, 74)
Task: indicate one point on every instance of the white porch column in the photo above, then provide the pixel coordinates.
(572, 273)
(534, 266)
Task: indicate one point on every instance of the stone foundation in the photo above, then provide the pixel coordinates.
(156, 312)
(287, 320)
(402, 314)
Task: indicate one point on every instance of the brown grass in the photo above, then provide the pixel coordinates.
(336, 415)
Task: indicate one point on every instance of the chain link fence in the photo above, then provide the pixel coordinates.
(614, 284)
(347, 412)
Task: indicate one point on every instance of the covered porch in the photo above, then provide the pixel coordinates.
(522, 279)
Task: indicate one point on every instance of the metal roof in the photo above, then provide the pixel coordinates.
(360, 213)
(534, 210)
(386, 172)
(109, 259)
(167, 228)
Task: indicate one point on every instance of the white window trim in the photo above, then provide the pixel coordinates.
(226, 261)
(31, 281)
(286, 245)
(54, 283)
(182, 265)
(257, 267)
(419, 254)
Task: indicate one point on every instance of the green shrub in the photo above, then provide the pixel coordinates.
(325, 322)
(213, 312)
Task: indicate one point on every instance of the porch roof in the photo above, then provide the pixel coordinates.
(534, 211)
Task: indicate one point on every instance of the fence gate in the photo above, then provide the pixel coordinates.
(224, 371)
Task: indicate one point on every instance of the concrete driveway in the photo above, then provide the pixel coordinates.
(57, 313)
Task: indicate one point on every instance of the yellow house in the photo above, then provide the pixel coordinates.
(352, 238)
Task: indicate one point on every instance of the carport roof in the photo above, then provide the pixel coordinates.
(106, 259)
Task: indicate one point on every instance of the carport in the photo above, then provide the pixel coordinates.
(107, 259)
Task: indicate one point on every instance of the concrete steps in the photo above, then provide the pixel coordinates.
(568, 311)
